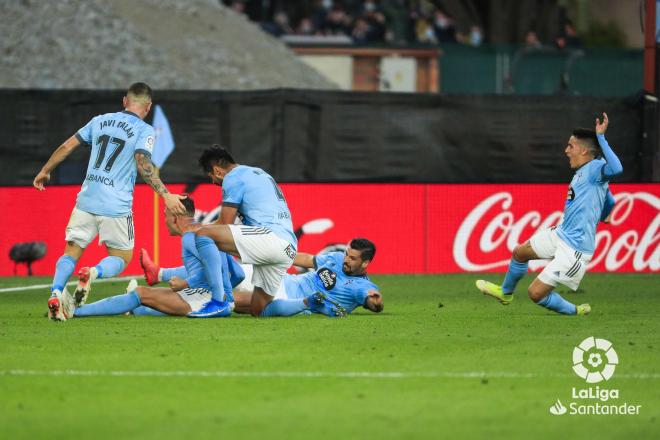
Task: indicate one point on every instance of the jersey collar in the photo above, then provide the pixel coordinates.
(130, 113)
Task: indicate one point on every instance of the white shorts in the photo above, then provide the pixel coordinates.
(196, 298)
(270, 255)
(567, 267)
(114, 232)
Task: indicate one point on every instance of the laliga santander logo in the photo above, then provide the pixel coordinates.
(594, 360)
(504, 230)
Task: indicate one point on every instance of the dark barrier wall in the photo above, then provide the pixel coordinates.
(312, 136)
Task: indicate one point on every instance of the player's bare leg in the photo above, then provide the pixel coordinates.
(517, 269)
(543, 295)
(260, 299)
(222, 236)
(164, 300)
(242, 301)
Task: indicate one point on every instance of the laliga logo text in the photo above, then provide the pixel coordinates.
(594, 360)
(504, 229)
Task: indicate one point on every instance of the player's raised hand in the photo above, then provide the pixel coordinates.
(41, 179)
(601, 127)
(173, 203)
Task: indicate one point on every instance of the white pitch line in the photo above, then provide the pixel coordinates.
(46, 286)
(313, 374)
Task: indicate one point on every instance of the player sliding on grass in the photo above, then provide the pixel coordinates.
(570, 245)
(121, 145)
(338, 285)
(184, 297)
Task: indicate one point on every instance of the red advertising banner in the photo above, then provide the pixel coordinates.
(417, 228)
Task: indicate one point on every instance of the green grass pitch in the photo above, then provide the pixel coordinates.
(463, 366)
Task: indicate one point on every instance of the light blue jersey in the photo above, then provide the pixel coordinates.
(110, 180)
(584, 204)
(193, 263)
(259, 201)
(329, 278)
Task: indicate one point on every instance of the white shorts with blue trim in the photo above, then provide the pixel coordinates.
(269, 254)
(196, 298)
(567, 267)
(114, 232)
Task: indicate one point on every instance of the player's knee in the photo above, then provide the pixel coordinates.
(536, 294)
(519, 254)
(142, 292)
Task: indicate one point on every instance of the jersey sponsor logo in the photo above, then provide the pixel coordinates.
(571, 194)
(149, 144)
(100, 179)
(328, 278)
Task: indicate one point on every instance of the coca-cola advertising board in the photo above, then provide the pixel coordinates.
(417, 228)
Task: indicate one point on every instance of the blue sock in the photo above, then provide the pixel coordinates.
(147, 311)
(226, 279)
(114, 305)
(110, 266)
(516, 271)
(179, 272)
(63, 270)
(212, 261)
(556, 303)
(284, 307)
(236, 272)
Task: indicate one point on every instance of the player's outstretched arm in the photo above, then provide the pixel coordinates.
(613, 166)
(304, 260)
(374, 301)
(61, 153)
(149, 175)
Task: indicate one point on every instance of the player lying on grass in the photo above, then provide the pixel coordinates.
(570, 245)
(121, 144)
(338, 285)
(183, 298)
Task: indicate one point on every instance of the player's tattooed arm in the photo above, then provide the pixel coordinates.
(61, 153)
(149, 174)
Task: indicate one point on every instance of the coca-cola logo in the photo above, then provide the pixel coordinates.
(492, 228)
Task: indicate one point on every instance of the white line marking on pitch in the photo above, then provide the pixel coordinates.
(47, 286)
(312, 374)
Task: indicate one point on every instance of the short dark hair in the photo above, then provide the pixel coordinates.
(189, 204)
(140, 90)
(589, 139)
(366, 247)
(216, 155)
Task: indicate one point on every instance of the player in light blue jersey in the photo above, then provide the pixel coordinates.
(265, 238)
(121, 145)
(338, 285)
(571, 244)
(184, 297)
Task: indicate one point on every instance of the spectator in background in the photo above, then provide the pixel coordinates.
(306, 27)
(569, 39)
(443, 27)
(279, 26)
(532, 40)
(337, 21)
(238, 6)
(370, 25)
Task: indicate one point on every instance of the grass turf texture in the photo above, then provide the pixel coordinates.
(438, 324)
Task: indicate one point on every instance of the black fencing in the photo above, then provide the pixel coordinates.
(316, 136)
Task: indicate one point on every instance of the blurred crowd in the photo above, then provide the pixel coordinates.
(371, 21)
